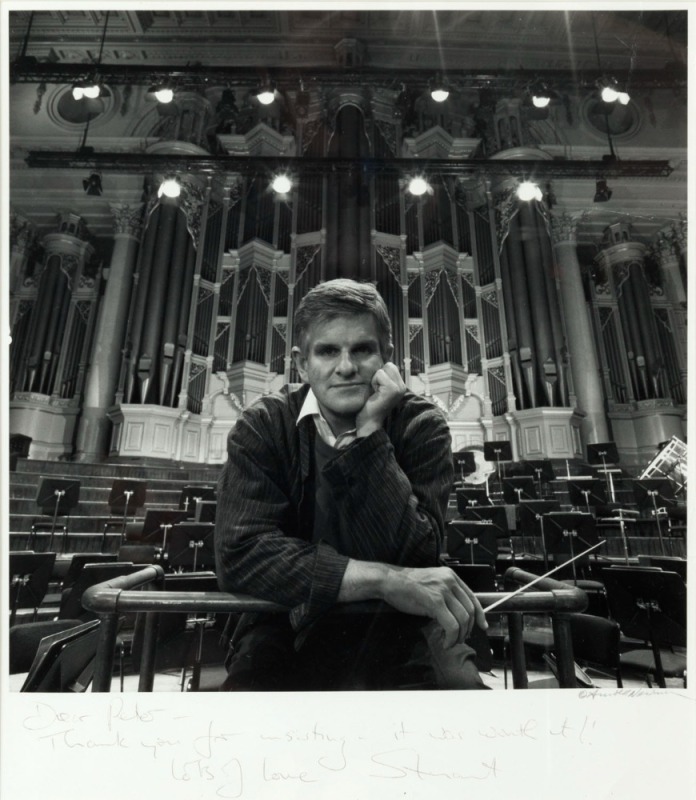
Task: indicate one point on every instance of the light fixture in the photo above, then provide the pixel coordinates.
(93, 184)
(170, 187)
(418, 186)
(439, 90)
(602, 191)
(89, 89)
(281, 184)
(162, 92)
(611, 92)
(541, 94)
(528, 190)
(266, 94)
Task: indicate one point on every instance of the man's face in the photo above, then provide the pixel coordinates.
(339, 359)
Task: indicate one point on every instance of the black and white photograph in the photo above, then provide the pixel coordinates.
(345, 400)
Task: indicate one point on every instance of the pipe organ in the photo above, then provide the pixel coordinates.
(481, 290)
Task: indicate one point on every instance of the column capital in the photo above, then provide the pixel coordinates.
(128, 219)
(564, 227)
(23, 234)
(670, 241)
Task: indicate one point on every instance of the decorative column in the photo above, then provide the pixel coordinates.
(23, 240)
(102, 378)
(581, 347)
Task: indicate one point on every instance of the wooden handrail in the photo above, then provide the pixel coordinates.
(125, 595)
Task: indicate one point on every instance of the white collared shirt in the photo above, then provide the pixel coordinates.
(310, 408)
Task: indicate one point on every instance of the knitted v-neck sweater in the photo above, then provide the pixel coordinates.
(391, 488)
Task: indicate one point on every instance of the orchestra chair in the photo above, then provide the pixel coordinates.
(189, 642)
(649, 604)
(30, 574)
(64, 661)
(127, 495)
(24, 638)
(77, 564)
(55, 497)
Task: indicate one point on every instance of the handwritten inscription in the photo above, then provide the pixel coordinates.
(223, 760)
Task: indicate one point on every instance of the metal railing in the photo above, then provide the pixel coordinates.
(126, 595)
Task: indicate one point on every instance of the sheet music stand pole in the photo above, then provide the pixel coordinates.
(128, 494)
(570, 535)
(653, 494)
(607, 477)
(540, 517)
(58, 493)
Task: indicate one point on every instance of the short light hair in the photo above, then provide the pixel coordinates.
(338, 298)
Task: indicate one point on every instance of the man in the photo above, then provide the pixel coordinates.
(333, 494)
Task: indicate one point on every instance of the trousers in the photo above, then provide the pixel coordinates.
(356, 652)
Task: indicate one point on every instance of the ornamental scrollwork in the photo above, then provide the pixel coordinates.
(414, 328)
(392, 258)
(432, 281)
(263, 278)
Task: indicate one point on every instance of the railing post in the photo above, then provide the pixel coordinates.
(104, 658)
(517, 658)
(564, 650)
(147, 661)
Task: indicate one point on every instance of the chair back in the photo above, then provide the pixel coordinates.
(91, 574)
(595, 639)
(648, 604)
(80, 560)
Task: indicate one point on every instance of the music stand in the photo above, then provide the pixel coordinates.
(191, 545)
(30, 574)
(191, 496)
(472, 496)
(126, 496)
(495, 515)
(205, 511)
(519, 488)
(647, 492)
(158, 522)
(531, 515)
(57, 496)
(474, 541)
(465, 461)
(604, 453)
(569, 533)
(498, 451)
(543, 470)
(589, 491)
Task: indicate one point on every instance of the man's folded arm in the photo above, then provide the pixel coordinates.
(396, 508)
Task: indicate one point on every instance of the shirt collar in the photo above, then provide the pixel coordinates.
(310, 408)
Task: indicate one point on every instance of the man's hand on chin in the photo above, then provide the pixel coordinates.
(387, 390)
